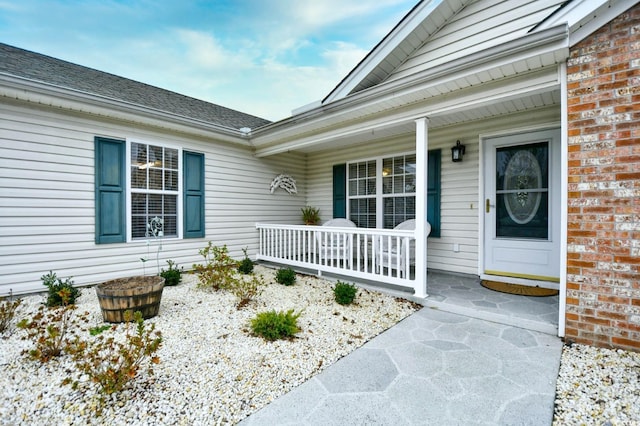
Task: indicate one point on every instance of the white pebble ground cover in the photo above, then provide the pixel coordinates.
(598, 387)
(211, 371)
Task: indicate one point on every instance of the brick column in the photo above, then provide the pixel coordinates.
(603, 241)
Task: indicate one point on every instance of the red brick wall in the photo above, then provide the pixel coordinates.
(603, 266)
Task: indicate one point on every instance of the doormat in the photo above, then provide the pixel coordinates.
(523, 290)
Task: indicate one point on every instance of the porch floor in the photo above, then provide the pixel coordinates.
(463, 295)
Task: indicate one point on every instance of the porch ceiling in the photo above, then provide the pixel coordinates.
(393, 130)
(516, 77)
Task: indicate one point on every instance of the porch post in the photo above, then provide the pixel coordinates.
(422, 148)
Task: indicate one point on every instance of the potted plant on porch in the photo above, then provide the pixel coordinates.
(310, 215)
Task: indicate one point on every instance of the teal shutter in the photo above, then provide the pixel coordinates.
(433, 192)
(340, 191)
(110, 191)
(193, 206)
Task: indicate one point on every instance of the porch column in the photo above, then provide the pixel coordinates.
(422, 147)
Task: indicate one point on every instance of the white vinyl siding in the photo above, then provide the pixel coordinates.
(478, 26)
(459, 182)
(47, 210)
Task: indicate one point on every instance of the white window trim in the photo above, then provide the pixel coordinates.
(379, 196)
(179, 218)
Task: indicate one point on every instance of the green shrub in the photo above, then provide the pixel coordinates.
(113, 363)
(246, 264)
(344, 293)
(286, 276)
(173, 275)
(219, 269)
(7, 312)
(55, 284)
(274, 325)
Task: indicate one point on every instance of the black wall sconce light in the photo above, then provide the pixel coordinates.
(457, 152)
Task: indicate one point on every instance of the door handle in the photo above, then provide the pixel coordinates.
(488, 205)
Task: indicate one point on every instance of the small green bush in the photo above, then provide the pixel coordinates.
(246, 264)
(286, 276)
(173, 275)
(344, 293)
(55, 284)
(274, 325)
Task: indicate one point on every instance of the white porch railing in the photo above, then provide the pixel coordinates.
(382, 255)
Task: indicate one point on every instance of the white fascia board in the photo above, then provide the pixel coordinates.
(534, 44)
(576, 13)
(61, 97)
(513, 88)
(386, 46)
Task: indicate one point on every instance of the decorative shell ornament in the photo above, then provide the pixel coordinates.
(285, 182)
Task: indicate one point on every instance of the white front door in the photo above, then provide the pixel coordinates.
(522, 205)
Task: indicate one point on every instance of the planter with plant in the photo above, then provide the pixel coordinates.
(310, 215)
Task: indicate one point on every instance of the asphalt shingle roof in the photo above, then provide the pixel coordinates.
(26, 64)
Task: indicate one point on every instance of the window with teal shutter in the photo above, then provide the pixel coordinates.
(110, 191)
(193, 184)
(398, 191)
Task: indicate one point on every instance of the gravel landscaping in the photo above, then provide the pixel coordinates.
(598, 387)
(211, 371)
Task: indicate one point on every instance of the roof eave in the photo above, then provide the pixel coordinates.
(34, 91)
(555, 38)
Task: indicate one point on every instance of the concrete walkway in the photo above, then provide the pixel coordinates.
(433, 368)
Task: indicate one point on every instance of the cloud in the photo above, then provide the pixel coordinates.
(280, 56)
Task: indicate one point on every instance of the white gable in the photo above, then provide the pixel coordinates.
(439, 32)
(478, 26)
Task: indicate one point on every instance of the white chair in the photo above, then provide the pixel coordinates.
(336, 246)
(390, 254)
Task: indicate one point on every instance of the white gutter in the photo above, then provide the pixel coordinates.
(29, 90)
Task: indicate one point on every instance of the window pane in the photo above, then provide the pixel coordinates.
(371, 169)
(155, 156)
(371, 186)
(138, 226)
(138, 177)
(387, 185)
(138, 155)
(155, 205)
(171, 158)
(155, 179)
(138, 204)
(362, 170)
(398, 184)
(170, 204)
(353, 187)
(170, 180)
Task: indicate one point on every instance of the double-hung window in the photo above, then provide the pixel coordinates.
(381, 192)
(162, 195)
(154, 190)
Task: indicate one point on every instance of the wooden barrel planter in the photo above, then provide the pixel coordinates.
(134, 293)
